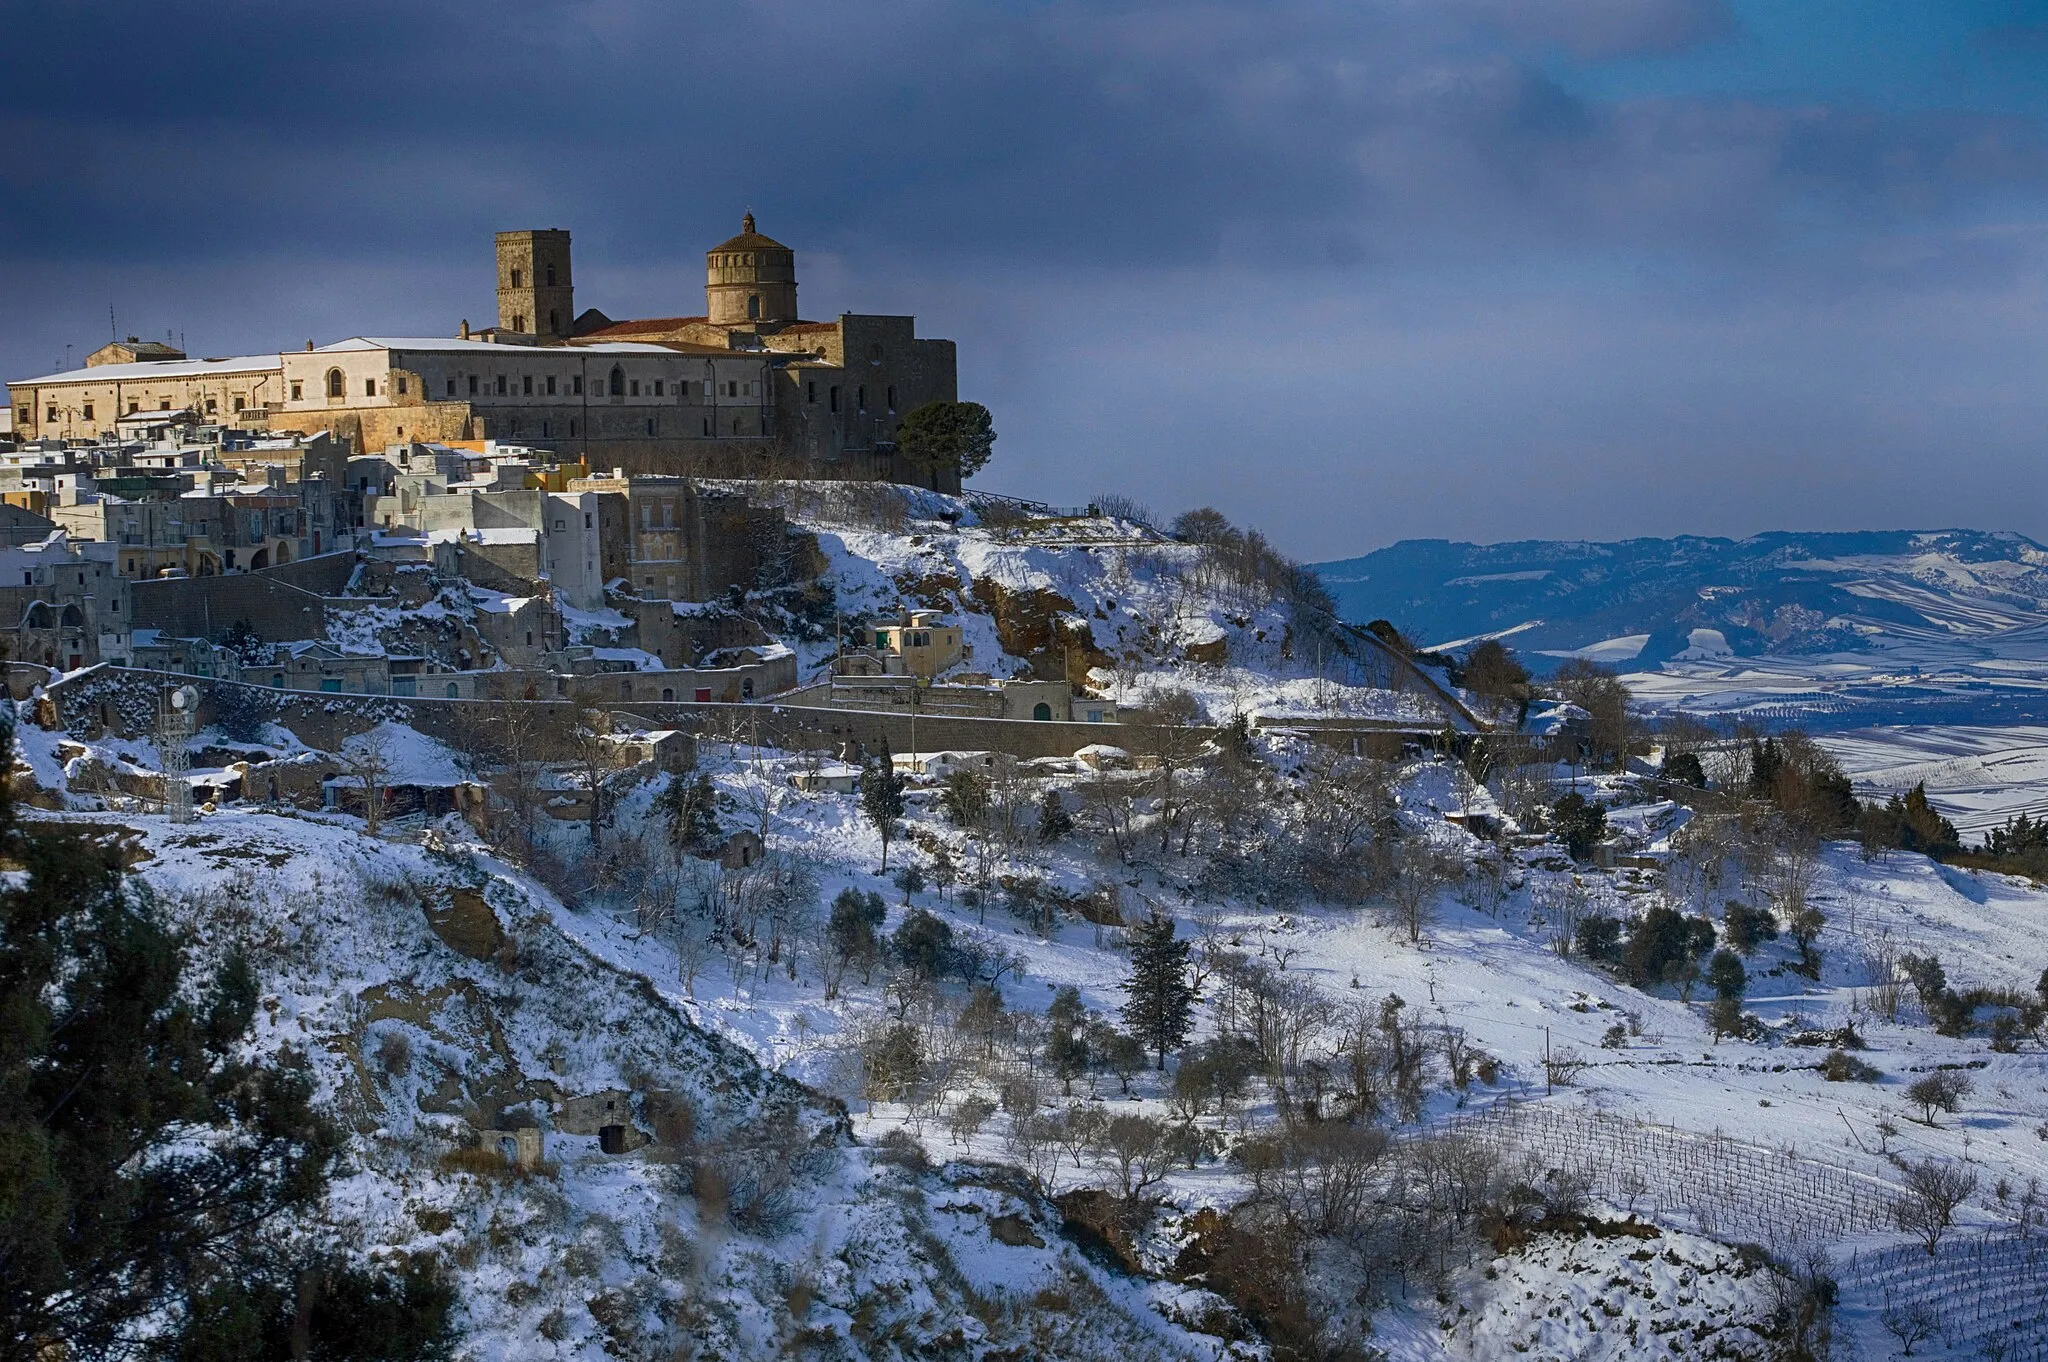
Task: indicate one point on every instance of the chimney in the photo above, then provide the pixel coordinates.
(309, 346)
(465, 328)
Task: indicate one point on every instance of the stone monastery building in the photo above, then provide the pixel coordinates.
(747, 389)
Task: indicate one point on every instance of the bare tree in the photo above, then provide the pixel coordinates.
(1909, 1322)
(1932, 1193)
(367, 756)
(1418, 876)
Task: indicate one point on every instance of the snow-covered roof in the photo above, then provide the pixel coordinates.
(176, 368)
(444, 345)
(515, 535)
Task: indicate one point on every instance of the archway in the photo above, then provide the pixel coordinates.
(258, 559)
(1041, 710)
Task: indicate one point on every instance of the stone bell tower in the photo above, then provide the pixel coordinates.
(750, 281)
(536, 295)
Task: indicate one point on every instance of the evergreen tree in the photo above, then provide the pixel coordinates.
(1579, 823)
(952, 436)
(1054, 822)
(881, 797)
(691, 808)
(151, 1176)
(1727, 977)
(854, 930)
(1159, 1002)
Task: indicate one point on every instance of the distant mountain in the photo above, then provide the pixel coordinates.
(1648, 601)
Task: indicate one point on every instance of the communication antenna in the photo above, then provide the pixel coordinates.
(176, 711)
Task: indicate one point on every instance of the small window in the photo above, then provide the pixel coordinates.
(519, 321)
(576, 386)
(133, 407)
(163, 405)
(586, 520)
(335, 382)
(451, 387)
(551, 385)
(834, 397)
(657, 387)
(472, 385)
(369, 387)
(892, 397)
(732, 389)
(87, 411)
(515, 279)
(810, 392)
(753, 307)
(554, 322)
(650, 425)
(860, 397)
(50, 415)
(636, 387)
(401, 387)
(526, 386)
(707, 426)
(501, 385)
(212, 406)
(25, 413)
(240, 404)
(299, 392)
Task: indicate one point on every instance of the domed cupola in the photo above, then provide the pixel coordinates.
(750, 280)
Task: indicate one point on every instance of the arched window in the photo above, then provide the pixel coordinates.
(551, 279)
(336, 384)
(753, 307)
(668, 693)
(515, 279)
(618, 381)
(1041, 710)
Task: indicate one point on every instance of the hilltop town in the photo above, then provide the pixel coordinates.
(736, 890)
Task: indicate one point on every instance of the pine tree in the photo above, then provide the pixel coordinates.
(1159, 1003)
(881, 797)
(1054, 822)
(150, 1175)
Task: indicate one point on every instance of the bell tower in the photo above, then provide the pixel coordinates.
(750, 281)
(536, 295)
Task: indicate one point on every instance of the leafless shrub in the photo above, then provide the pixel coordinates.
(394, 1054)
(1932, 1193)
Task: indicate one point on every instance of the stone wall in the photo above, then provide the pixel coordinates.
(203, 607)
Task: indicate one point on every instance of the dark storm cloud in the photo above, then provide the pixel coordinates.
(263, 171)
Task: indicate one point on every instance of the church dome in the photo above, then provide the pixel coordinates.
(750, 281)
(750, 240)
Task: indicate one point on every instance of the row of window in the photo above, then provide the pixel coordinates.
(860, 397)
(86, 410)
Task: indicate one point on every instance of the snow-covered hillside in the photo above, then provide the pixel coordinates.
(873, 1087)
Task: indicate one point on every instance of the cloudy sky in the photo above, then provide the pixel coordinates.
(1353, 272)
